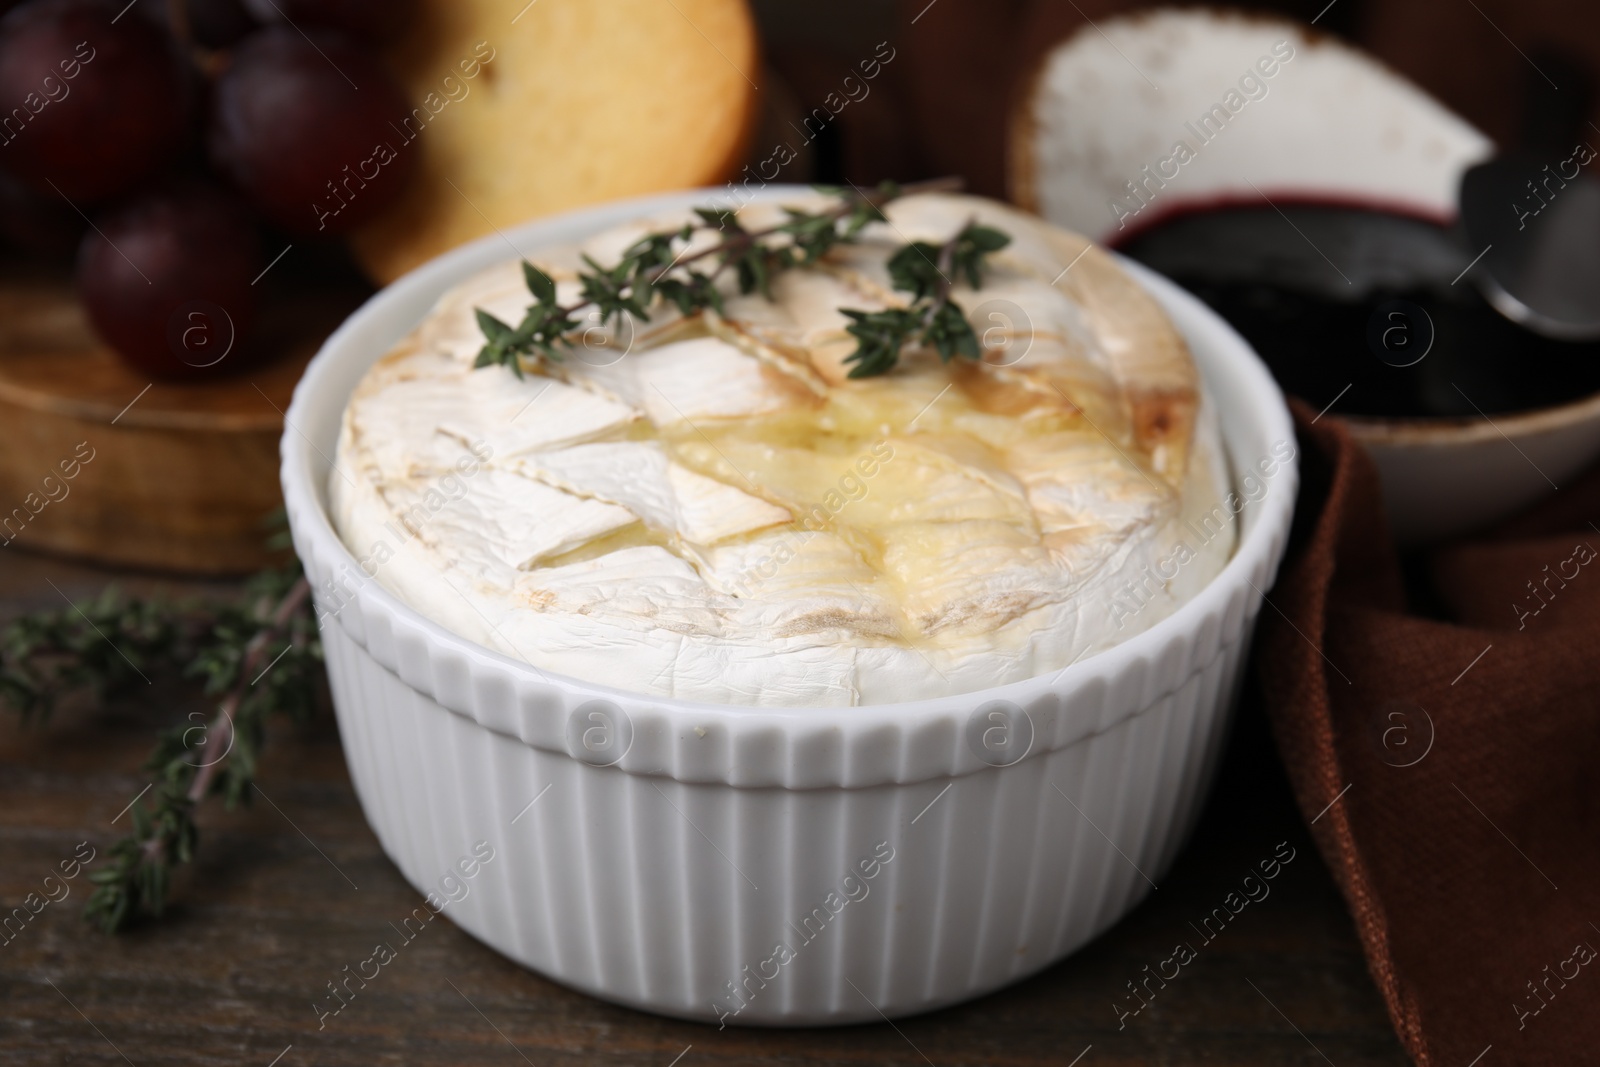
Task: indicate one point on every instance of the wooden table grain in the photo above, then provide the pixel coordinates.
(290, 890)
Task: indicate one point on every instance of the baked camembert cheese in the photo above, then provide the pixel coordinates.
(707, 507)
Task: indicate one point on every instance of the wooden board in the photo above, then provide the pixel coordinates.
(266, 918)
(163, 475)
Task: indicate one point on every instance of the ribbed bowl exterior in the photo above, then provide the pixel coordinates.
(775, 866)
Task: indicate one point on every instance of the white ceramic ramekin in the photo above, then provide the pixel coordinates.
(777, 866)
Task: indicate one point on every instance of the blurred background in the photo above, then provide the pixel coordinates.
(943, 110)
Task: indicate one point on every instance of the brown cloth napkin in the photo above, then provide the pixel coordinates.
(1449, 764)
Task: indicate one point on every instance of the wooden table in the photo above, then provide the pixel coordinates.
(265, 919)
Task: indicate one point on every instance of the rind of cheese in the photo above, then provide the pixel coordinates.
(641, 477)
(722, 382)
(504, 523)
(422, 424)
(709, 508)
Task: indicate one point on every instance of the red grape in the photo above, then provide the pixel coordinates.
(370, 20)
(167, 280)
(310, 128)
(92, 106)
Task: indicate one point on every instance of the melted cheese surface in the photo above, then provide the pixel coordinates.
(708, 508)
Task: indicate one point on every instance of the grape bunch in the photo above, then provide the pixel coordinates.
(167, 137)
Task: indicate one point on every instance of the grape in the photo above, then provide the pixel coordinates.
(370, 20)
(94, 107)
(311, 129)
(167, 280)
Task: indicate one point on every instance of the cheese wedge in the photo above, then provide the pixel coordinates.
(709, 508)
(1140, 117)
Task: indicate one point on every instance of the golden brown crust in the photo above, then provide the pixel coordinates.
(1142, 393)
(1153, 368)
(1153, 363)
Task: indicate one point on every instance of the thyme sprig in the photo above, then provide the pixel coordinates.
(650, 266)
(258, 657)
(933, 320)
(48, 654)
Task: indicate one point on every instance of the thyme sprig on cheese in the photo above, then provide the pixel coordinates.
(650, 266)
(933, 320)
